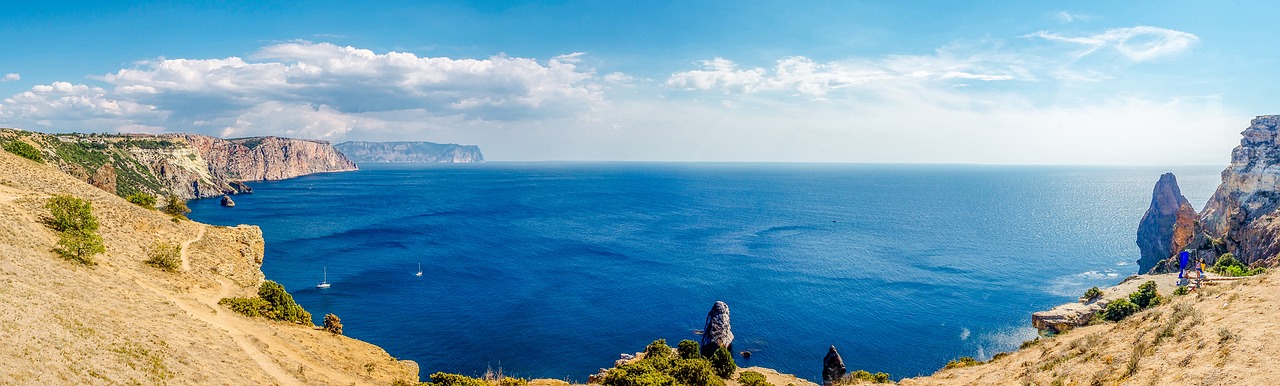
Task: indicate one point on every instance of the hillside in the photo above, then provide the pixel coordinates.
(124, 322)
(186, 165)
(410, 152)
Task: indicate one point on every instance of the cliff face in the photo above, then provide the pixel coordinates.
(410, 152)
(1168, 225)
(124, 322)
(1242, 214)
(185, 165)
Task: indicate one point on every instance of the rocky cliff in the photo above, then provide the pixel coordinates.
(410, 152)
(185, 165)
(1168, 225)
(1242, 214)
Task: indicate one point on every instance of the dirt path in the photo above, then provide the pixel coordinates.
(186, 262)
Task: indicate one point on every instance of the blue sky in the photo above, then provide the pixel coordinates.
(1090, 82)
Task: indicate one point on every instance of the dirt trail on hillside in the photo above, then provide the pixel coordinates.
(186, 246)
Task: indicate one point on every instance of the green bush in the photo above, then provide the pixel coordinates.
(657, 350)
(1119, 309)
(446, 379)
(333, 324)
(175, 207)
(79, 246)
(1181, 290)
(1224, 261)
(962, 362)
(142, 199)
(1146, 296)
(166, 256)
(282, 305)
(71, 214)
(722, 363)
(693, 372)
(251, 307)
(24, 150)
(509, 381)
(1092, 293)
(639, 373)
(866, 376)
(689, 349)
(752, 378)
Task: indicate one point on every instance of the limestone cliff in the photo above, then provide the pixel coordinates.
(124, 322)
(1242, 214)
(1168, 225)
(185, 165)
(410, 152)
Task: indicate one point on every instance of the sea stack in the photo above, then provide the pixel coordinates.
(226, 201)
(716, 333)
(1168, 226)
(832, 367)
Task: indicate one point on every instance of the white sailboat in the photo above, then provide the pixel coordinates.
(419, 274)
(325, 283)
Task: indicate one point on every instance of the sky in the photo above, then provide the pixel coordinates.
(1048, 82)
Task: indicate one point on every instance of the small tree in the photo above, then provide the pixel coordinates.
(1146, 295)
(1119, 309)
(694, 372)
(689, 349)
(333, 324)
(176, 207)
(635, 374)
(1092, 294)
(142, 199)
(282, 305)
(80, 246)
(722, 363)
(657, 350)
(71, 214)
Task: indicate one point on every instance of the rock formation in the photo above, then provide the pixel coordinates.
(226, 201)
(1242, 214)
(1168, 225)
(832, 367)
(410, 152)
(241, 188)
(716, 333)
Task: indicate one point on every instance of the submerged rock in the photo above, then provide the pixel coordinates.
(1168, 225)
(226, 201)
(716, 333)
(832, 367)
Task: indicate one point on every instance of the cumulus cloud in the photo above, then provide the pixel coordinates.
(66, 102)
(10, 77)
(326, 89)
(1139, 44)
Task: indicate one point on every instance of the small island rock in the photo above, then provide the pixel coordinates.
(832, 367)
(716, 333)
(226, 201)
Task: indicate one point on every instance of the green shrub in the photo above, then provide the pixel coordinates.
(333, 324)
(282, 305)
(79, 246)
(446, 379)
(142, 199)
(1119, 309)
(1146, 296)
(693, 372)
(866, 376)
(509, 381)
(657, 350)
(752, 378)
(24, 150)
(1224, 261)
(1181, 290)
(722, 363)
(175, 207)
(639, 373)
(1092, 293)
(71, 214)
(166, 256)
(251, 307)
(689, 349)
(962, 362)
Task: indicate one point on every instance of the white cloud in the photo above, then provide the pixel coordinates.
(10, 77)
(62, 101)
(1139, 44)
(1069, 17)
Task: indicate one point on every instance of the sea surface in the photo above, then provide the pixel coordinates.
(551, 270)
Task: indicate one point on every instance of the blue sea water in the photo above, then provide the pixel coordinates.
(551, 270)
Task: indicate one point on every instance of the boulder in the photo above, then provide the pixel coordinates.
(226, 201)
(832, 367)
(716, 333)
(1168, 226)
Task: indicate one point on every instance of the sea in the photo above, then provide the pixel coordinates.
(552, 270)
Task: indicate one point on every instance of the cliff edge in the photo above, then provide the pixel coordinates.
(124, 322)
(1243, 212)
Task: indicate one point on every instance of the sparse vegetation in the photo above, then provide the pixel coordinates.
(752, 378)
(166, 256)
(1146, 296)
(1181, 290)
(24, 150)
(867, 376)
(273, 302)
(689, 349)
(78, 238)
(251, 307)
(1119, 309)
(1228, 265)
(175, 207)
(1092, 294)
(661, 366)
(142, 199)
(447, 379)
(332, 324)
(962, 362)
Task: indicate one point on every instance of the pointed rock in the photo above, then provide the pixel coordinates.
(1168, 225)
(832, 367)
(716, 333)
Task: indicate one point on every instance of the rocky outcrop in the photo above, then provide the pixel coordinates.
(241, 188)
(832, 367)
(1242, 214)
(226, 201)
(717, 333)
(1075, 315)
(104, 178)
(1168, 225)
(410, 152)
